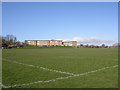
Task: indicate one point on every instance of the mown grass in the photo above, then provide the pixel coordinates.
(74, 60)
(25, 74)
(38, 47)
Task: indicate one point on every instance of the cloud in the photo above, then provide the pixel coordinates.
(90, 40)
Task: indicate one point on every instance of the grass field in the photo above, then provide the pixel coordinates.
(60, 68)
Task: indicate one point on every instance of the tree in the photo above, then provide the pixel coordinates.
(81, 45)
(8, 40)
(103, 45)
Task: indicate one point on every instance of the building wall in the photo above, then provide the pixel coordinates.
(67, 44)
(43, 43)
(31, 42)
(55, 42)
(73, 43)
(50, 43)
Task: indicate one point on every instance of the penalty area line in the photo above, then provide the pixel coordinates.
(62, 78)
(43, 68)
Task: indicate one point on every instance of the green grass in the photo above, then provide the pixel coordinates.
(26, 74)
(73, 60)
(38, 47)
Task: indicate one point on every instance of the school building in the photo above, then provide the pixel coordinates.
(50, 43)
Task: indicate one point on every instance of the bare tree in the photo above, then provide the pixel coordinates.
(8, 40)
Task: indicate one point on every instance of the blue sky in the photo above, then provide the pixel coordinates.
(85, 22)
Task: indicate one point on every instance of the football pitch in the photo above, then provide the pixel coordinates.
(60, 68)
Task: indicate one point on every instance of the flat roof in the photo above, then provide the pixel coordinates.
(43, 40)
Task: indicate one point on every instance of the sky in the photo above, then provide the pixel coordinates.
(84, 22)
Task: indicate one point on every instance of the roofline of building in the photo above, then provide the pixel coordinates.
(70, 41)
(43, 40)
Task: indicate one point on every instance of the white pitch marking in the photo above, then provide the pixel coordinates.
(62, 78)
(43, 68)
(3, 85)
